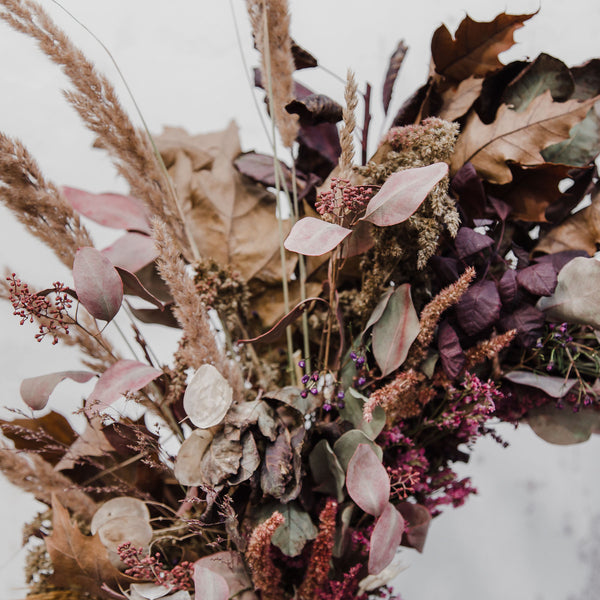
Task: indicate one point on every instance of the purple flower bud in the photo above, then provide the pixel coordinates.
(360, 361)
(326, 407)
(353, 355)
(341, 394)
(340, 404)
(305, 379)
(314, 391)
(302, 364)
(315, 376)
(361, 381)
(304, 393)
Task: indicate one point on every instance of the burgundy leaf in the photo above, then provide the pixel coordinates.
(132, 285)
(277, 330)
(156, 315)
(209, 585)
(367, 481)
(417, 519)
(315, 109)
(528, 321)
(132, 251)
(323, 142)
(260, 167)
(560, 259)
(539, 279)
(314, 237)
(395, 331)
(501, 208)
(119, 379)
(35, 391)
(385, 539)
(469, 242)
(468, 187)
(97, 283)
(402, 193)
(507, 286)
(110, 210)
(411, 108)
(479, 307)
(446, 268)
(395, 63)
(303, 59)
(451, 353)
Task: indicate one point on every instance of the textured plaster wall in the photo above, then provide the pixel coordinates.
(533, 531)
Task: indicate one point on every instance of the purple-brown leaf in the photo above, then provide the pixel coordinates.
(395, 63)
(451, 353)
(119, 379)
(507, 286)
(402, 193)
(395, 331)
(97, 283)
(417, 519)
(469, 242)
(315, 109)
(385, 539)
(528, 321)
(539, 279)
(110, 210)
(35, 391)
(367, 481)
(479, 307)
(314, 237)
(132, 285)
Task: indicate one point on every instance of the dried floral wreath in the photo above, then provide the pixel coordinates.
(332, 368)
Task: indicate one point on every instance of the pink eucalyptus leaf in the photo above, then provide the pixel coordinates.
(110, 210)
(209, 585)
(231, 567)
(385, 539)
(395, 331)
(119, 379)
(35, 391)
(403, 193)
(367, 481)
(314, 237)
(97, 283)
(131, 251)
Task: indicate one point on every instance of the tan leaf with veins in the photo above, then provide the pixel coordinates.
(458, 100)
(517, 136)
(80, 562)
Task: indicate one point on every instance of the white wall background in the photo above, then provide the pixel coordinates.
(533, 532)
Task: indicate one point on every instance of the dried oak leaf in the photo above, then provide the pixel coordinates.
(80, 562)
(533, 189)
(225, 210)
(517, 136)
(457, 100)
(580, 231)
(475, 47)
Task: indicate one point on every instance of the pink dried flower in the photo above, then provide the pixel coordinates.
(343, 199)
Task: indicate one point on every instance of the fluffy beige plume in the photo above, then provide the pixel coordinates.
(39, 204)
(347, 131)
(270, 21)
(96, 101)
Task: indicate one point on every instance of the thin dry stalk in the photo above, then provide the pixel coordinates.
(348, 127)
(96, 102)
(37, 477)
(200, 345)
(277, 62)
(38, 203)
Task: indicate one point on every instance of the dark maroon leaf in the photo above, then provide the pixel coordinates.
(467, 186)
(479, 307)
(133, 286)
(315, 109)
(529, 323)
(539, 279)
(385, 539)
(560, 259)
(469, 242)
(446, 268)
(394, 65)
(521, 254)
(97, 283)
(451, 353)
(507, 286)
(367, 481)
(582, 182)
(417, 519)
(322, 139)
(501, 208)
(156, 315)
(277, 330)
(120, 378)
(260, 167)
(303, 59)
(110, 210)
(35, 391)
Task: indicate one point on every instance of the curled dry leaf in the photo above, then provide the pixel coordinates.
(35, 391)
(367, 481)
(97, 283)
(517, 136)
(402, 193)
(188, 467)
(315, 109)
(207, 397)
(458, 100)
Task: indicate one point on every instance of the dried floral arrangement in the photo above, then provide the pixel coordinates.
(332, 368)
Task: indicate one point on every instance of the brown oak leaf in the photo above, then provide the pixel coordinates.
(516, 136)
(475, 47)
(80, 562)
(458, 100)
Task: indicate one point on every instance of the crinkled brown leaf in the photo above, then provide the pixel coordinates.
(243, 415)
(315, 109)
(281, 471)
(80, 562)
(225, 210)
(457, 100)
(394, 65)
(475, 47)
(220, 460)
(517, 136)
